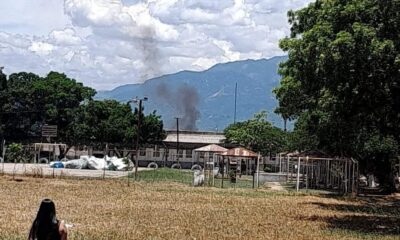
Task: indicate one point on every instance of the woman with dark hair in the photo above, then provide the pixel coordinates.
(46, 226)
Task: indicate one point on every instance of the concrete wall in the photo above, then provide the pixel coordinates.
(272, 177)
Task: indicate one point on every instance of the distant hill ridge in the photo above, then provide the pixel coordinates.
(215, 93)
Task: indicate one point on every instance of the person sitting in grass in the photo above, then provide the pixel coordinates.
(46, 226)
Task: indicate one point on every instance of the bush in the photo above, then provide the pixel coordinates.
(16, 154)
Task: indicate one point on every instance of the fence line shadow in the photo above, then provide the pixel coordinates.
(366, 216)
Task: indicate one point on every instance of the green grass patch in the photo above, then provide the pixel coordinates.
(166, 175)
(186, 177)
(240, 183)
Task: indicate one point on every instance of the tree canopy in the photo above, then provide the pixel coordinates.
(110, 121)
(257, 134)
(29, 101)
(341, 79)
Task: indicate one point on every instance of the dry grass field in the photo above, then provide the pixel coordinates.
(109, 209)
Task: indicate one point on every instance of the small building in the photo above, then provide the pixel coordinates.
(179, 147)
(241, 159)
(164, 153)
(212, 151)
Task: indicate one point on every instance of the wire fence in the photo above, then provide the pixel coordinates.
(304, 172)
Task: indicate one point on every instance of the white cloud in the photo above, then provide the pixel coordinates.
(65, 37)
(17, 40)
(128, 21)
(202, 63)
(106, 43)
(35, 17)
(41, 48)
(229, 55)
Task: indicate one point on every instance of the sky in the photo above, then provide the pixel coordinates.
(108, 43)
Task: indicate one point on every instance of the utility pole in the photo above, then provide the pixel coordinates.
(177, 141)
(138, 101)
(137, 138)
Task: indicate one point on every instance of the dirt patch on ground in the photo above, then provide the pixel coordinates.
(274, 186)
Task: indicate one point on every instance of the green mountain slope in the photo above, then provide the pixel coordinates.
(208, 96)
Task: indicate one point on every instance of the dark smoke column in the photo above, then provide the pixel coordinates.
(189, 99)
(185, 101)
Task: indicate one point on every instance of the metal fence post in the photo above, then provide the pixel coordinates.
(298, 174)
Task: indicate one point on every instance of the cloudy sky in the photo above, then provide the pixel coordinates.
(107, 43)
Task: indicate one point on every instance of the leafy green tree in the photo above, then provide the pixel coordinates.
(301, 138)
(152, 128)
(19, 111)
(16, 153)
(342, 78)
(257, 134)
(110, 121)
(3, 80)
(60, 96)
(31, 101)
(3, 99)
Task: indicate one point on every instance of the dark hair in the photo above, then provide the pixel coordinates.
(45, 225)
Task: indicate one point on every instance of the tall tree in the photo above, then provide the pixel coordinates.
(257, 134)
(60, 96)
(31, 101)
(3, 100)
(19, 111)
(110, 121)
(342, 78)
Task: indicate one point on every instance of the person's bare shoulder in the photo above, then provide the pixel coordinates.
(63, 230)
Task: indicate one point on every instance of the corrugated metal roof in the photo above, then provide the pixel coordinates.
(199, 137)
(211, 148)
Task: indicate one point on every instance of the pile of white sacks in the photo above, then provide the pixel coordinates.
(198, 178)
(107, 163)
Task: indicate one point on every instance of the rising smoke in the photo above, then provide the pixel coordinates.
(150, 54)
(185, 101)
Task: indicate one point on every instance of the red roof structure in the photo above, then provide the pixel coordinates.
(240, 152)
(211, 148)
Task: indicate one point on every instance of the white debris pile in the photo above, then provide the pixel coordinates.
(97, 163)
(198, 178)
(76, 164)
(216, 171)
(107, 163)
(371, 181)
(119, 164)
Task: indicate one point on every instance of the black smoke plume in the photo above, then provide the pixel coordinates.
(150, 54)
(185, 101)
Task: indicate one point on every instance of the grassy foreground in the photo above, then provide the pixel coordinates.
(109, 209)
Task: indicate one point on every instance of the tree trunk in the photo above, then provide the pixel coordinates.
(385, 175)
(284, 124)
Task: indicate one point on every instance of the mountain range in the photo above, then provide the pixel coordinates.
(205, 100)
